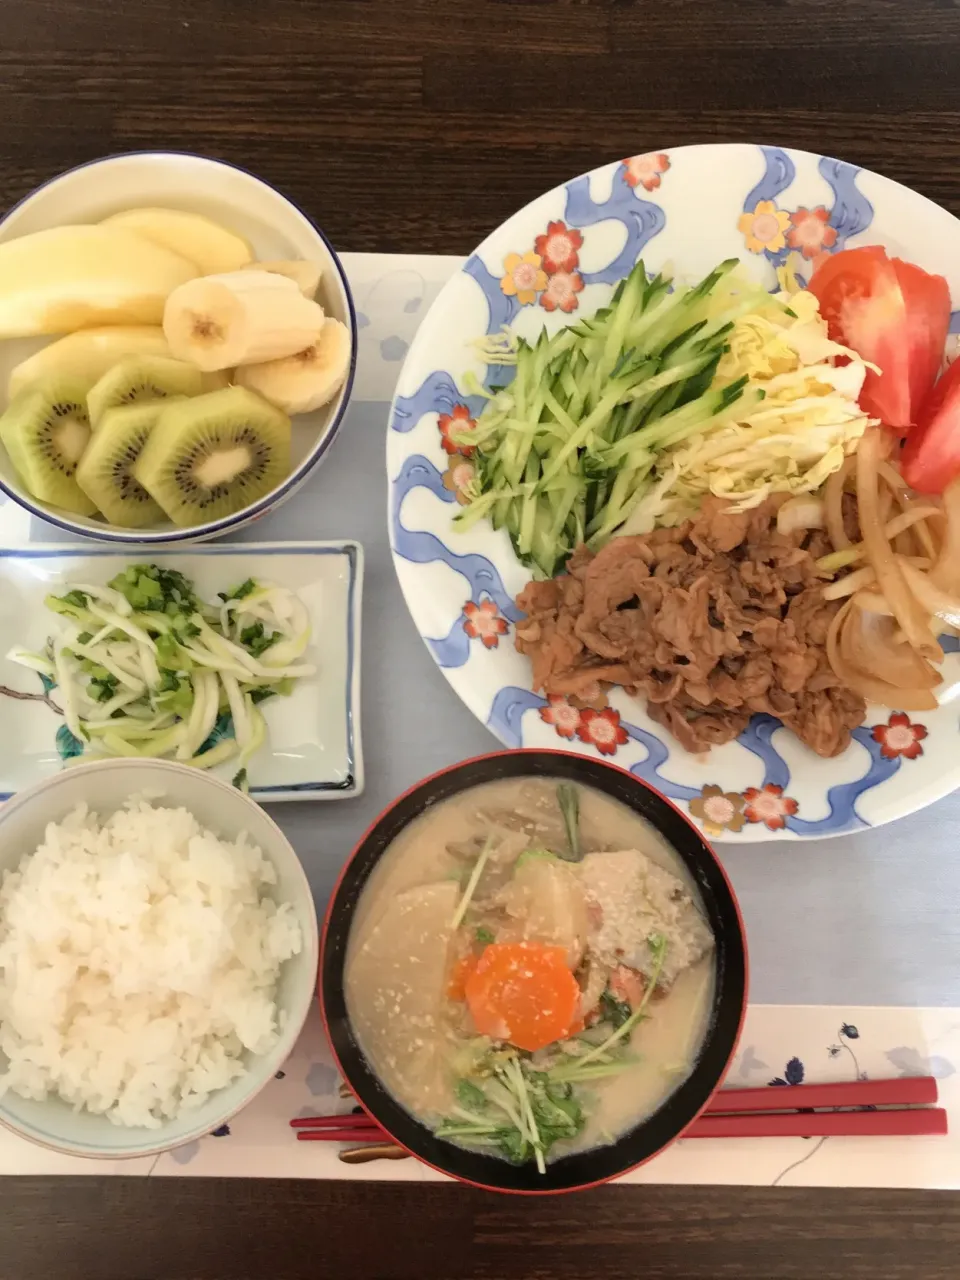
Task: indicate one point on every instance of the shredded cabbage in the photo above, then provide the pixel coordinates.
(806, 424)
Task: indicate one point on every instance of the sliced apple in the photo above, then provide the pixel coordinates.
(87, 354)
(78, 277)
(198, 239)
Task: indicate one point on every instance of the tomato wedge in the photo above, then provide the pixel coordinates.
(927, 300)
(931, 456)
(894, 315)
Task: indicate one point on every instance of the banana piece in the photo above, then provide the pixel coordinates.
(77, 277)
(88, 354)
(307, 380)
(198, 239)
(243, 317)
(305, 275)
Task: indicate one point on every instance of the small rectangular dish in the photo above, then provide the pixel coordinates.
(313, 749)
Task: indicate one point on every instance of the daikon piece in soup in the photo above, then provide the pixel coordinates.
(529, 970)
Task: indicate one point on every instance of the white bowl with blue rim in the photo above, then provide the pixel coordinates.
(274, 227)
(104, 787)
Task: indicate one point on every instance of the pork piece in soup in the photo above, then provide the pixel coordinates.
(529, 971)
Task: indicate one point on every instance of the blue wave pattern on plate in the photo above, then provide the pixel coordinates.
(506, 715)
(436, 394)
(841, 799)
(852, 212)
(778, 175)
(501, 309)
(757, 738)
(649, 770)
(453, 649)
(850, 215)
(425, 548)
(641, 218)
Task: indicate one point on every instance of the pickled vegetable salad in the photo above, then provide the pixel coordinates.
(629, 418)
(143, 667)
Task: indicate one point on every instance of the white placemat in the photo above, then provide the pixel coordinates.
(786, 1045)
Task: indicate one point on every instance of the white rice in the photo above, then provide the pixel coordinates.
(139, 959)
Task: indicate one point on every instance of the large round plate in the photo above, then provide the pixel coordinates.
(690, 207)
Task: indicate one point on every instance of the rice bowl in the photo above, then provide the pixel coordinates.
(156, 963)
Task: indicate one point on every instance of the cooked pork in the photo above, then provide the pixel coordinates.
(709, 623)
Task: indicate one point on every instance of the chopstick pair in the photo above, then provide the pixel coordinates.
(837, 1110)
(794, 1111)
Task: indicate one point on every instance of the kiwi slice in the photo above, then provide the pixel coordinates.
(211, 456)
(105, 473)
(142, 378)
(45, 431)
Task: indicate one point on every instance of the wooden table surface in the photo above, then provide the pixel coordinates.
(420, 125)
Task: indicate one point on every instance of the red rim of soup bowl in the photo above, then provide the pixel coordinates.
(729, 1001)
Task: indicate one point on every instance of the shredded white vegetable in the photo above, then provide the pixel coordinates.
(143, 667)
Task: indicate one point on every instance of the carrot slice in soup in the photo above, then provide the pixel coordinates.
(523, 993)
(456, 986)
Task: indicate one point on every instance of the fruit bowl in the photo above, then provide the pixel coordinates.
(273, 228)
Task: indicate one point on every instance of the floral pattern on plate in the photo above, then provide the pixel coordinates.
(483, 622)
(900, 737)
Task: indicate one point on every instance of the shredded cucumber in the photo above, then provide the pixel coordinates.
(568, 450)
(143, 667)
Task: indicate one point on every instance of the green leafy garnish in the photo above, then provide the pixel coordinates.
(470, 1095)
(513, 1146)
(239, 593)
(522, 1114)
(533, 855)
(73, 604)
(103, 690)
(568, 799)
(485, 936)
(151, 589)
(256, 639)
(615, 1011)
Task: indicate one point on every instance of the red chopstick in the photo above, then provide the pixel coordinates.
(332, 1122)
(908, 1122)
(748, 1113)
(369, 1133)
(907, 1092)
